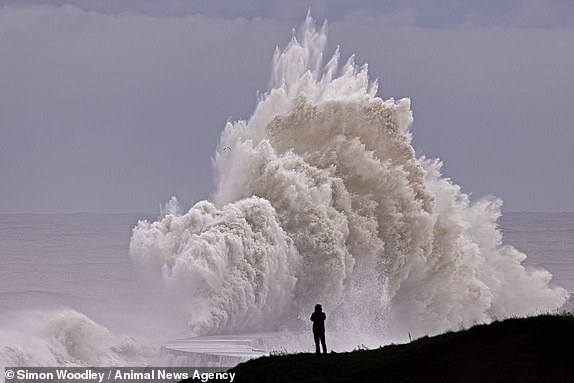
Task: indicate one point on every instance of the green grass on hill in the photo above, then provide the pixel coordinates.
(535, 349)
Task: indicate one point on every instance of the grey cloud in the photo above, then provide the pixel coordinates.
(422, 13)
(544, 14)
(493, 103)
(104, 112)
(118, 111)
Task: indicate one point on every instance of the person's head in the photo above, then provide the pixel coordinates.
(318, 308)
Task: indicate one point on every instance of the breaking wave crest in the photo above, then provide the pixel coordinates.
(65, 337)
(320, 198)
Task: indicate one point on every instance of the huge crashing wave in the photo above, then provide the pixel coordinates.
(320, 198)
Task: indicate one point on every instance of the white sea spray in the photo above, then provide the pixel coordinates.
(320, 198)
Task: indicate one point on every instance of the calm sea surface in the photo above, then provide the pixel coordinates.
(81, 261)
(547, 239)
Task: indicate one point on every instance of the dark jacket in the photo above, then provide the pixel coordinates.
(318, 318)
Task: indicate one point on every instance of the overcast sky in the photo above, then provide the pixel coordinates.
(115, 106)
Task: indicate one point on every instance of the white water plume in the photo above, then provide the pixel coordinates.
(65, 337)
(320, 198)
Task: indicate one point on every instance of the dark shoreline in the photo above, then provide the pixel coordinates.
(534, 349)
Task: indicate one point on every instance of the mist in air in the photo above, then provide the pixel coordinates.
(320, 197)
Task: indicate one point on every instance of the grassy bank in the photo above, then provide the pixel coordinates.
(536, 349)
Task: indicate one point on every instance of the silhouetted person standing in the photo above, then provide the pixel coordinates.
(318, 317)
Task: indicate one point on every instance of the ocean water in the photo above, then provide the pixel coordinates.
(76, 260)
(58, 265)
(71, 295)
(548, 241)
(319, 197)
